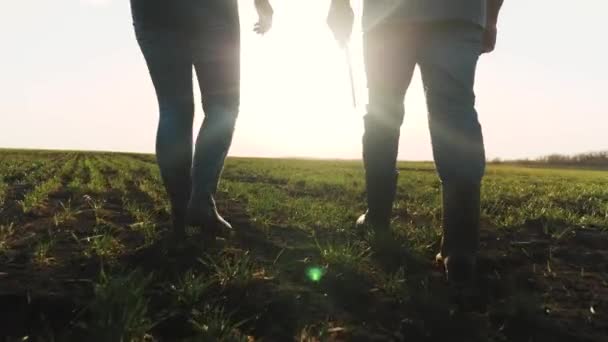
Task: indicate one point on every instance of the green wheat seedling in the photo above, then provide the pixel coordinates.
(65, 214)
(97, 205)
(190, 289)
(42, 252)
(6, 232)
(39, 194)
(231, 269)
(119, 308)
(212, 323)
(348, 255)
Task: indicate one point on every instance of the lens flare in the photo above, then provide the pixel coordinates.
(315, 274)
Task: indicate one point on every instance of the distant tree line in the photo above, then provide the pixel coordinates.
(590, 159)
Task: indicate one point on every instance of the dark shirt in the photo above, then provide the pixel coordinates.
(182, 14)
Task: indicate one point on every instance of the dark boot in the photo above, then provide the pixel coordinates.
(380, 147)
(212, 147)
(174, 158)
(204, 214)
(460, 223)
(380, 197)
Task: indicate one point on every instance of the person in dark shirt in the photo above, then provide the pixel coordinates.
(175, 36)
(444, 38)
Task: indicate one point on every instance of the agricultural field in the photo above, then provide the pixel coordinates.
(86, 255)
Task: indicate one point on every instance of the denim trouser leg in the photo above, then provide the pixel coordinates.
(218, 72)
(207, 39)
(170, 69)
(389, 66)
(448, 57)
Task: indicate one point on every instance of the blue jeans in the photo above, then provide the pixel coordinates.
(207, 39)
(447, 55)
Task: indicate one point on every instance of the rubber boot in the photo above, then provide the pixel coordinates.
(174, 157)
(460, 224)
(380, 147)
(211, 150)
(380, 197)
(204, 214)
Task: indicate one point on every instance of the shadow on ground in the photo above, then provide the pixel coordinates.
(532, 288)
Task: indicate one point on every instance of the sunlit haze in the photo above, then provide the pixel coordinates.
(72, 77)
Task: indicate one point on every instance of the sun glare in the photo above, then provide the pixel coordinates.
(297, 78)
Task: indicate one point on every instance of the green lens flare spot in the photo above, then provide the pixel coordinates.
(315, 274)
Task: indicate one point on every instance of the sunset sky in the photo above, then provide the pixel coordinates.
(72, 77)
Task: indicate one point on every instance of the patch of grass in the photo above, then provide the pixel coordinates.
(3, 190)
(119, 184)
(48, 180)
(6, 232)
(144, 220)
(156, 193)
(142, 215)
(97, 206)
(231, 268)
(395, 285)
(66, 214)
(271, 206)
(339, 285)
(212, 323)
(118, 181)
(78, 179)
(148, 230)
(38, 195)
(40, 170)
(347, 255)
(190, 289)
(97, 182)
(421, 237)
(119, 308)
(287, 192)
(42, 252)
(318, 332)
(104, 244)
